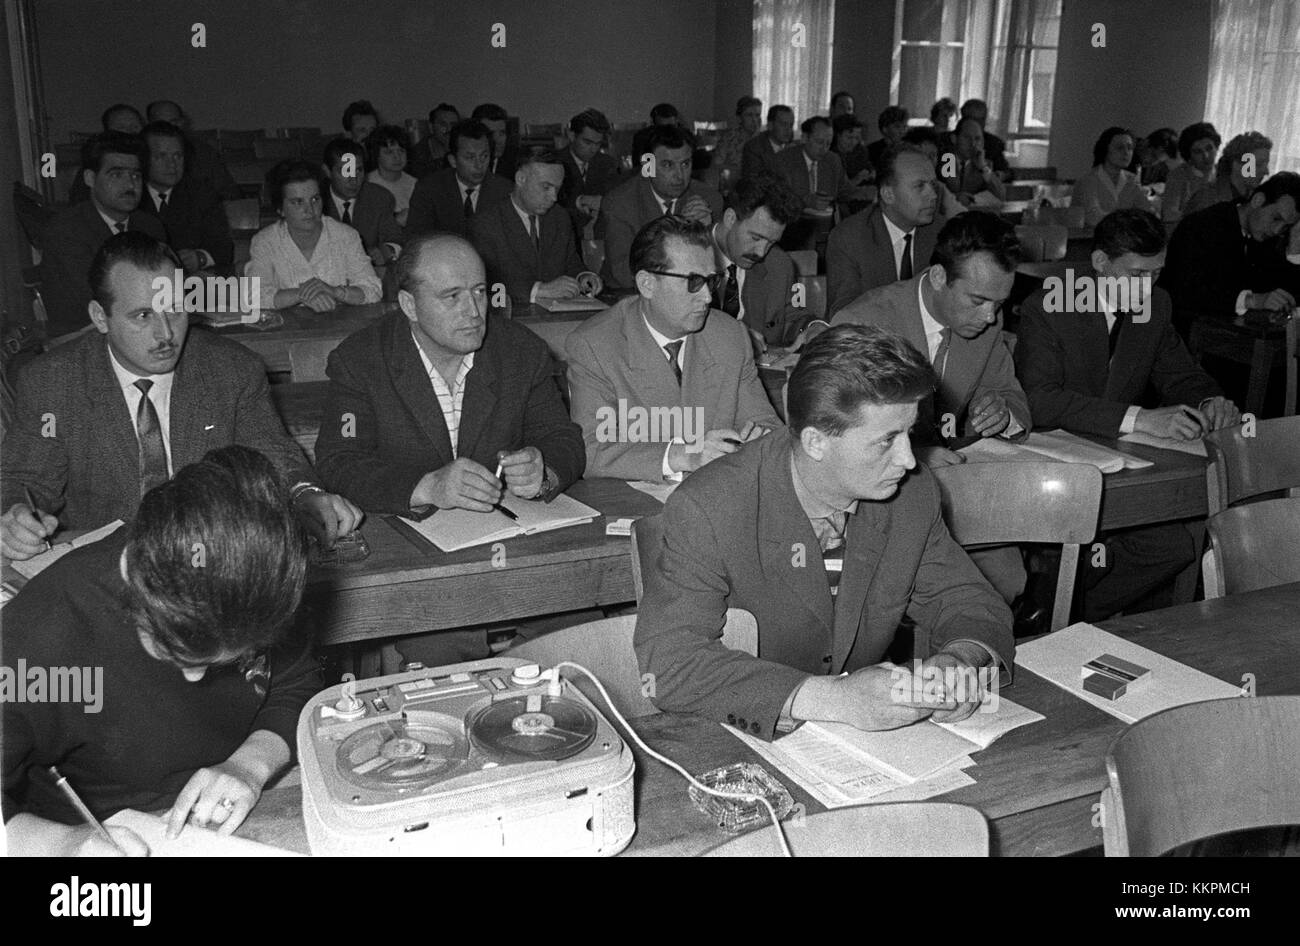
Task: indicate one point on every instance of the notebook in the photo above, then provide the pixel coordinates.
(573, 304)
(193, 841)
(1195, 447)
(454, 529)
(1055, 445)
(38, 563)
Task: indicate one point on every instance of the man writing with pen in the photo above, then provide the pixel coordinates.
(428, 401)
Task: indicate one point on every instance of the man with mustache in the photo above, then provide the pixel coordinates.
(113, 168)
(103, 419)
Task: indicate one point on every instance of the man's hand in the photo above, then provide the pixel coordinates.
(715, 443)
(523, 471)
(328, 516)
(1279, 300)
(588, 204)
(752, 431)
(378, 256)
(1220, 412)
(966, 200)
(84, 841)
(22, 534)
(819, 201)
(191, 260)
(461, 484)
(562, 287)
(758, 341)
(990, 414)
(696, 208)
(936, 455)
(957, 700)
(866, 699)
(1178, 422)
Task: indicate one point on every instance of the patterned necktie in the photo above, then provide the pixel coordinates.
(812, 177)
(536, 233)
(347, 212)
(729, 293)
(469, 202)
(674, 349)
(941, 353)
(120, 226)
(668, 207)
(162, 202)
(905, 265)
(1113, 342)
(153, 455)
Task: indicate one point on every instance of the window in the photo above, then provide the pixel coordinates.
(792, 54)
(1022, 70)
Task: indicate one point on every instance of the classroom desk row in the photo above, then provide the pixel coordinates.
(1038, 785)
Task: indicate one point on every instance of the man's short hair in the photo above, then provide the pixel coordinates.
(671, 137)
(945, 106)
(112, 110)
(293, 171)
(1194, 133)
(133, 246)
(442, 107)
(1129, 231)
(1242, 144)
(589, 118)
(663, 110)
(956, 129)
(841, 95)
(747, 101)
(337, 147)
(891, 115)
(650, 246)
(1282, 184)
(359, 107)
(408, 264)
(887, 164)
(489, 112)
(470, 128)
(922, 135)
(161, 129)
(973, 104)
(849, 367)
(776, 110)
(538, 154)
(764, 190)
(809, 125)
(97, 147)
(1102, 144)
(1164, 140)
(846, 122)
(234, 506)
(159, 103)
(976, 231)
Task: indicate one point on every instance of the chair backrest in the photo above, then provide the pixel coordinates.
(308, 357)
(605, 648)
(902, 829)
(32, 212)
(997, 503)
(243, 214)
(1199, 770)
(1244, 466)
(805, 262)
(1043, 242)
(647, 533)
(1292, 366)
(1042, 269)
(1072, 217)
(1256, 545)
(814, 295)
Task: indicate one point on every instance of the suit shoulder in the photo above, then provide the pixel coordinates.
(778, 262)
(54, 370)
(379, 195)
(727, 332)
(862, 310)
(600, 327)
(516, 341)
(220, 353)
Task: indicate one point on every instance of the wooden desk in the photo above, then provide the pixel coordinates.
(302, 323)
(1262, 346)
(1037, 785)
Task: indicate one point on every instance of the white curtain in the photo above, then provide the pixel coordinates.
(792, 55)
(1255, 74)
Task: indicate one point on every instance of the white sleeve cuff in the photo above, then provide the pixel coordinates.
(1243, 301)
(532, 296)
(1129, 423)
(668, 471)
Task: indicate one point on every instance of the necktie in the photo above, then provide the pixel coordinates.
(941, 353)
(830, 537)
(812, 177)
(905, 264)
(469, 202)
(582, 171)
(668, 207)
(1120, 318)
(729, 293)
(153, 455)
(347, 212)
(120, 226)
(537, 236)
(673, 349)
(162, 201)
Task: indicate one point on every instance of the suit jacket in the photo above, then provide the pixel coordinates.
(204, 163)
(974, 366)
(766, 298)
(1072, 381)
(397, 432)
(426, 157)
(194, 219)
(507, 164)
(859, 256)
(72, 238)
(628, 208)
(372, 215)
(510, 256)
(436, 203)
(1210, 262)
(603, 174)
(613, 361)
(757, 157)
(728, 532)
(831, 179)
(90, 468)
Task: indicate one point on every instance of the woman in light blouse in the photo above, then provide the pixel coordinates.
(1108, 186)
(307, 258)
(1199, 146)
(389, 147)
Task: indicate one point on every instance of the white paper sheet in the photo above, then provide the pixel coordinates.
(33, 566)
(193, 841)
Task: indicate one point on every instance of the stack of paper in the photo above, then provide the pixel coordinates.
(573, 304)
(33, 566)
(841, 766)
(193, 841)
(455, 529)
(1195, 447)
(1056, 445)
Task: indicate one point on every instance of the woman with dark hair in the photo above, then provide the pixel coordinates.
(186, 618)
(1159, 156)
(389, 147)
(1109, 185)
(1198, 144)
(307, 258)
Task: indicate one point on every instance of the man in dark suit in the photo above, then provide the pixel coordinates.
(994, 148)
(445, 199)
(757, 275)
(120, 118)
(759, 154)
(814, 171)
(1227, 258)
(973, 172)
(951, 313)
(431, 154)
(1089, 372)
(829, 535)
(505, 157)
(660, 383)
(892, 240)
(366, 207)
(191, 211)
(113, 170)
(663, 115)
(635, 202)
(589, 173)
(202, 161)
(105, 418)
(526, 240)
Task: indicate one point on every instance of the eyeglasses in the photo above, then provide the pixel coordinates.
(694, 281)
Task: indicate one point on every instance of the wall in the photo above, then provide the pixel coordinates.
(272, 63)
(1154, 71)
(863, 62)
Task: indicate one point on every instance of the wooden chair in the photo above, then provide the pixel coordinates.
(814, 295)
(903, 829)
(308, 357)
(1251, 547)
(605, 648)
(1012, 502)
(1201, 770)
(805, 262)
(244, 214)
(1047, 268)
(1043, 242)
(1244, 467)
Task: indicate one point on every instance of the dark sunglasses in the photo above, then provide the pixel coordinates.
(693, 280)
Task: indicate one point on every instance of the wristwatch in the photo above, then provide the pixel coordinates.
(550, 486)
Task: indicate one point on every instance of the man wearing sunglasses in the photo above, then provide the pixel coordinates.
(659, 383)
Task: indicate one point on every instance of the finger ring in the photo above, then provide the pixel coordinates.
(227, 803)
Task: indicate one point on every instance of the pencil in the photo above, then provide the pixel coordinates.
(86, 814)
(500, 508)
(31, 504)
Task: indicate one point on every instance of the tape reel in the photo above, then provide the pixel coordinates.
(403, 754)
(532, 728)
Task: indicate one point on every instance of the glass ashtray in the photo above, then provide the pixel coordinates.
(732, 815)
(347, 548)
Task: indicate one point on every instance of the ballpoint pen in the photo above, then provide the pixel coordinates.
(497, 505)
(31, 504)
